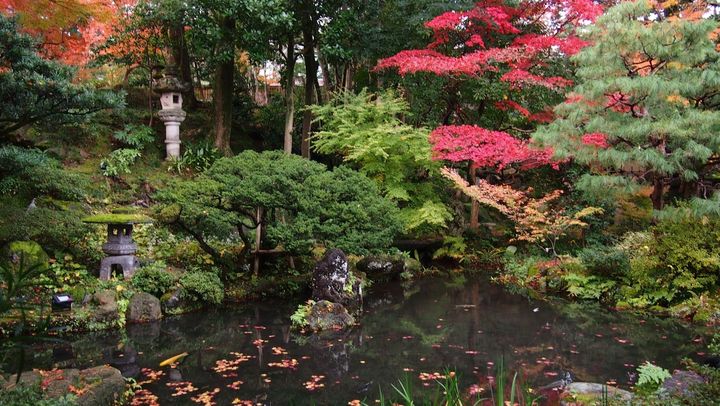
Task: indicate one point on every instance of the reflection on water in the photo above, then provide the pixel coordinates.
(250, 353)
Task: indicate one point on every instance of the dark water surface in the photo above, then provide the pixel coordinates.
(427, 326)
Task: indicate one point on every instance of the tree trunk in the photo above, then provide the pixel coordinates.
(223, 97)
(258, 240)
(657, 193)
(289, 95)
(475, 207)
(308, 28)
(327, 79)
(182, 59)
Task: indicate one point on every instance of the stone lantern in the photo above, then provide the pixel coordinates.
(170, 89)
(119, 247)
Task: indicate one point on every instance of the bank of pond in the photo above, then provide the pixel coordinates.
(419, 338)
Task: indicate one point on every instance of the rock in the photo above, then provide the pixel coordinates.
(143, 307)
(413, 266)
(172, 302)
(589, 392)
(106, 308)
(27, 378)
(325, 315)
(680, 384)
(98, 386)
(31, 253)
(333, 281)
(105, 385)
(381, 267)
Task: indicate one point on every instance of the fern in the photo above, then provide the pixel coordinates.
(651, 375)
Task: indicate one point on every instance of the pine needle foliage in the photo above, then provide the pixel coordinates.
(645, 110)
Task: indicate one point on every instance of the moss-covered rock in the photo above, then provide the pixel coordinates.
(326, 315)
(98, 386)
(143, 307)
(30, 251)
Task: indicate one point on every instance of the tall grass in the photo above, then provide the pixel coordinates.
(448, 393)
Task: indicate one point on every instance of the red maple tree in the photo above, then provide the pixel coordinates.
(497, 41)
(67, 29)
(494, 37)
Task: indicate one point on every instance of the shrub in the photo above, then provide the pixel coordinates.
(605, 261)
(365, 129)
(202, 287)
(135, 136)
(30, 173)
(677, 260)
(32, 395)
(302, 204)
(197, 158)
(153, 279)
(119, 162)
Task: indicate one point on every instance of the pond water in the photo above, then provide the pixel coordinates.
(426, 326)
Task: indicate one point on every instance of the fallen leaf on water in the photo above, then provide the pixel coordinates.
(285, 363)
(314, 383)
(279, 351)
(181, 388)
(206, 398)
(144, 397)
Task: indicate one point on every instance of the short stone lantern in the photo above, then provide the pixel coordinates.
(170, 89)
(119, 248)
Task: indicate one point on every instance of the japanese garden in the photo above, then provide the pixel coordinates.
(359, 202)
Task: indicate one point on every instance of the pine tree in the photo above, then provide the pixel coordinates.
(644, 112)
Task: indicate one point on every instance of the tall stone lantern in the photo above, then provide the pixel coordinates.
(170, 89)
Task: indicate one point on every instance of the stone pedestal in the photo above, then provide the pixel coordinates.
(170, 89)
(172, 119)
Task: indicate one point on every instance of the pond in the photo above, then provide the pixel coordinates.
(427, 326)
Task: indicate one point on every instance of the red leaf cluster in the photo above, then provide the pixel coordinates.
(486, 148)
(598, 140)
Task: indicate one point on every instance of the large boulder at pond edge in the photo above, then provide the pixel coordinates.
(98, 386)
(333, 281)
(680, 384)
(30, 252)
(105, 306)
(384, 267)
(143, 307)
(588, 393)
(325, 315)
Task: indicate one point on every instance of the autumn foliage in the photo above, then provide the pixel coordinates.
(513, 44)
(67, 30)
(536, 220)
(485, 148)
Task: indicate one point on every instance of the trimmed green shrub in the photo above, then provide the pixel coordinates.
(302, 205)
(605, 261)
(202, 287)
(153, 279)
(679, 259)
